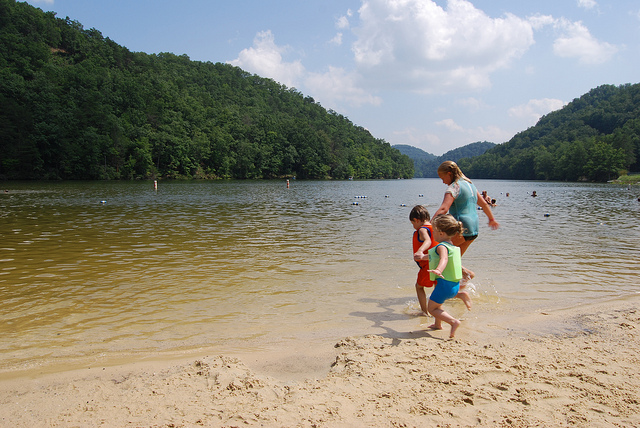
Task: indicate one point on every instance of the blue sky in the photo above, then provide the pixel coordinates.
(432, 74)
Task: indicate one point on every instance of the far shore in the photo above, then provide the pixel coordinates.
(628, 179)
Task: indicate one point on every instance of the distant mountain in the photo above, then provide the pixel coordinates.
(414, 152)
(426, 164)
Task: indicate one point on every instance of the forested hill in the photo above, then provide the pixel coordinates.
(426, 164)
(595, 137)
(76, 105)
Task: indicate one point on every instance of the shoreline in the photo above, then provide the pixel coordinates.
(583, 372)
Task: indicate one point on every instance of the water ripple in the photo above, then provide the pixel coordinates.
(195, 264)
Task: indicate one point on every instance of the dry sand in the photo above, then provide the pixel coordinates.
(584, 374)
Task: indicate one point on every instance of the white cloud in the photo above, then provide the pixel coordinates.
(480, 133)
(587, 4)
(418, 45)
(535, 109)
(540, 21)
(577, 42)
(490, 133)
(450, 124)
(265, 59)
(342, 23)
(337, 40)
(338, 86)
(471, 103)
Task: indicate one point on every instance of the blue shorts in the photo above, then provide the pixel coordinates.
(444, 290)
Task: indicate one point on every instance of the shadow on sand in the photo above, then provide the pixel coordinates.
(390, 316)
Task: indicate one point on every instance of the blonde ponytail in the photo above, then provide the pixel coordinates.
(448, 225)
(454, 169)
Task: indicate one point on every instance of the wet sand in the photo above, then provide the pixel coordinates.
(584, 374)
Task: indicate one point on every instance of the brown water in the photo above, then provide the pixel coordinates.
(95, 272)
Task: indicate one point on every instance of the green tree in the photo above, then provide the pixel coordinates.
(544, 164)
(75, 105)
(604, 162)
(571, 161)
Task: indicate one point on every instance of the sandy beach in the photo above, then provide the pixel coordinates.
(583, 373)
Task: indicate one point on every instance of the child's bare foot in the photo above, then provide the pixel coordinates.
(467, 274)
(454, 326)
(435, 327)
(464, 296)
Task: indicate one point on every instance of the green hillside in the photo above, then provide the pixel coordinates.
(595, 137)
(76, 105)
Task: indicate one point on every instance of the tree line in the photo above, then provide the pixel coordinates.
(595, 137)
(76, 105)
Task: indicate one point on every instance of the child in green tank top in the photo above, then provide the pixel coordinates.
(445, 264)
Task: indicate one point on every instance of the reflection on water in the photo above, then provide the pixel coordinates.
(93, 270)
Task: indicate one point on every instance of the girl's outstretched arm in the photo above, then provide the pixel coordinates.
(493, 224)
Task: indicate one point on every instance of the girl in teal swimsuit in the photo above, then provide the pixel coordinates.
(445, 265)
(460, 200)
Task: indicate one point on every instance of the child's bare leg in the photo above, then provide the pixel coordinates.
(462, 244)
(454, 326)
(437, 325)
(467, 274)
(422, 298)
(464, 296)
(440, 315)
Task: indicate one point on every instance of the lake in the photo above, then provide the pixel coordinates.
(100, 272)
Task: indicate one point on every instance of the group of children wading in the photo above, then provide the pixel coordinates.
(438, 244)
